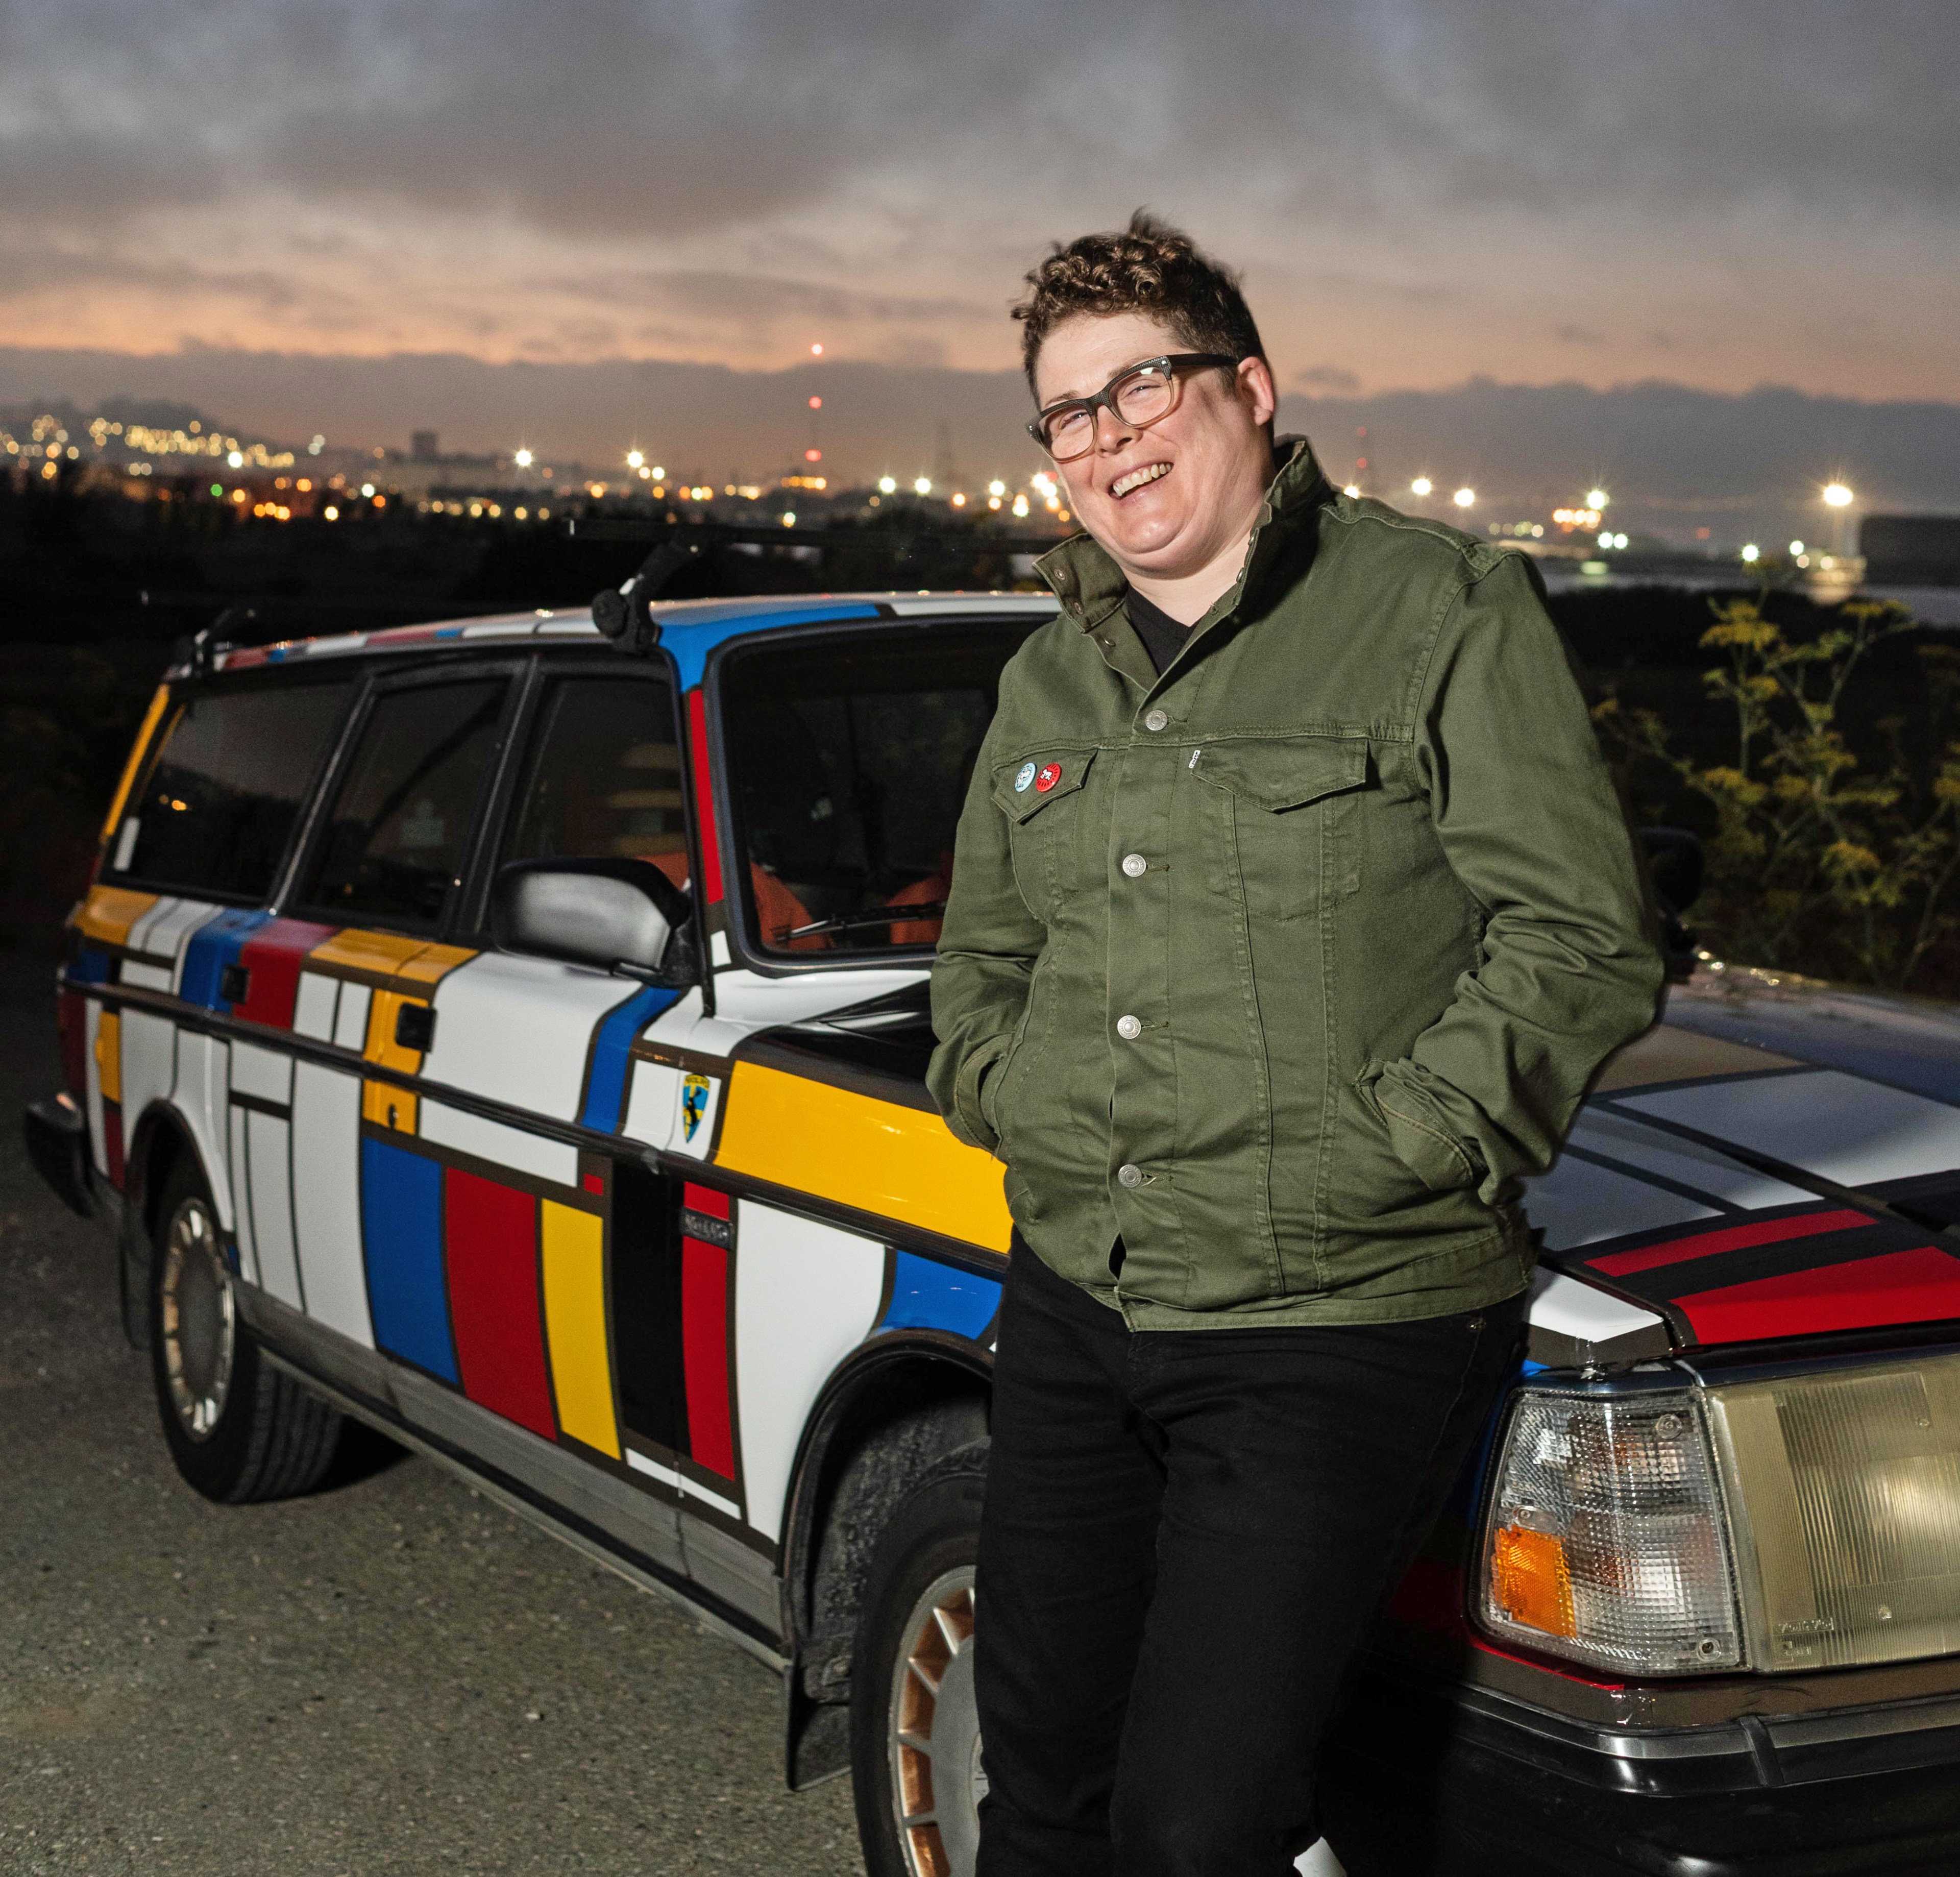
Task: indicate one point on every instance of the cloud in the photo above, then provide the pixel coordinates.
(1328, 378)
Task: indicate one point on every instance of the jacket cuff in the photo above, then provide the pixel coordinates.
(1420, 1135)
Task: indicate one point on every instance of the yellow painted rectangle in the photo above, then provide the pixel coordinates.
(138, 750)
(879, 1156)
(435, 963)
(388, 1106)
(384, 1012)
(573, 1249)
(108, 913)
(385, 952)
(109, 1055)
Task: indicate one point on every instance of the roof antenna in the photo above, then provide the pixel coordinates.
(625, 615)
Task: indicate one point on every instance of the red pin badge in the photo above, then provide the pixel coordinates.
(1051, 774)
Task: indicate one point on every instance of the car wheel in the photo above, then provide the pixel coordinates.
(238, 1429)
(914, 1729)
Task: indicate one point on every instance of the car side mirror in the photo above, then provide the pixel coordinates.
(626, 916)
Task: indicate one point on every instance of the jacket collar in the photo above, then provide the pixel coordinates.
(1090, 586)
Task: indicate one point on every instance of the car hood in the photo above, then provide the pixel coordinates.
(1775, 1159)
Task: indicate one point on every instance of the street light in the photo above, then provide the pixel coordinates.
(521, 459)
(1421, 486)
(634, 459)
(922, 485)
(888, 486)
(1836, 495)
(1751, 554)
(1596, 499)
(1464, 498)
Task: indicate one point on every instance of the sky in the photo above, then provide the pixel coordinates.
(1720, 194)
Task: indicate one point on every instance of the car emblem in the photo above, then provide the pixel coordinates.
(1026, 775)
(1051, 775)
(694, 1094)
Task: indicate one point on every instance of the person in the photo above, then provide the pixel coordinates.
(1292, 911)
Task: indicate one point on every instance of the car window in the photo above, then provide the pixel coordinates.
(214, 811)
(602, 777)
(394, 835)
(848, 761)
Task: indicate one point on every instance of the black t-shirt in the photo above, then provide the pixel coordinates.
(1163, 637)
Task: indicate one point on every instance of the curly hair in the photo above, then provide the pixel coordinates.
(1149, 267)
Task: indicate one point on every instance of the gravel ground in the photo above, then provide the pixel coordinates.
(393, 1675)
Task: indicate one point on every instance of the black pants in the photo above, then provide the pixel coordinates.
(1186, 1536)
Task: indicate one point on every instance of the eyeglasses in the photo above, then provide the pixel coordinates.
(1138, 395)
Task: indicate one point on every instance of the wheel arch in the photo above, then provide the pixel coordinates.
(896, 1405)
(162, 1140)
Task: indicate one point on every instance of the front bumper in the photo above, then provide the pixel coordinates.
(56, 1134)
(1425, 1780)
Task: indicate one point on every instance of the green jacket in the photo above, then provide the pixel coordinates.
(1288, 965)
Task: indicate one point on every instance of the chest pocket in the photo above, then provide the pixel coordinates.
(1289, 813)
(1040, 791)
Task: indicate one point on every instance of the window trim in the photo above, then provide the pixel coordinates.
(384, 684)
(738, 908)
(181, 691)
(472, 920)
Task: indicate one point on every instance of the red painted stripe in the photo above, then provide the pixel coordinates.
(490, 1247)
(703, 1333)
(273, 957)
(1734, 1238)
(703, 797)
(704, 1199)
(1919, 1285)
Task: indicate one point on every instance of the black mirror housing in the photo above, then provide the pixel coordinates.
(619, 915)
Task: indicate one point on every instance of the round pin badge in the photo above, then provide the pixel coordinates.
(1021, 781)
(1051, 775)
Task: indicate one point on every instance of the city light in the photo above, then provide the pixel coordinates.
(1752, 553)
(817, 404)
(922, 485)
(1596, 499)
(1421, 486)
(888, 486)
(236, 459)
(1353, 489)
(1464, 498)
(521, 459)
(316, 446)
(660, 475)
(1021, 505)
(1587, 518)
(816, 351)
(367, 488)
(1836, 495)
(1797, 547)
(789, 518)
(634, 459)
(960, 501)
(1609, 539)
(996, 488)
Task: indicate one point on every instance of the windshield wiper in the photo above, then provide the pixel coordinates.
(920, 909)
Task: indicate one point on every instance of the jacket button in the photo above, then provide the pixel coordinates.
(1155, 720)
(1129, 1027)
(1129, 1175)
(1134, 864)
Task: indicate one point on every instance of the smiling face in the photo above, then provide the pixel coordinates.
(1174, 503)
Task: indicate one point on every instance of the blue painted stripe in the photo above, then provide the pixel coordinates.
(90, 966)
(401, 1228)
(928, 1295)
(605, 1089)
(214, 945)
(690, 637)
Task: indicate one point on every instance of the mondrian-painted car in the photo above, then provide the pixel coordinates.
(516, 1041)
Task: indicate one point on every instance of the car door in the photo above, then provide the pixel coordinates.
(373, 898)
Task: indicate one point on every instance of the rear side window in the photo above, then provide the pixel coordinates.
(602, 779)
(216, 808)
(395, 831)
(848, 762)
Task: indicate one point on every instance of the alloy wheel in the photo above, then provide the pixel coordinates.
(198, 1319)
(936, 1782)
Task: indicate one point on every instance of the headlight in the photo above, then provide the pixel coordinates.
(1605, 1540)
(1848, 1489)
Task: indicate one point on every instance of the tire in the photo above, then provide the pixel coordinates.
(238, 1429)
(914, 1734)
